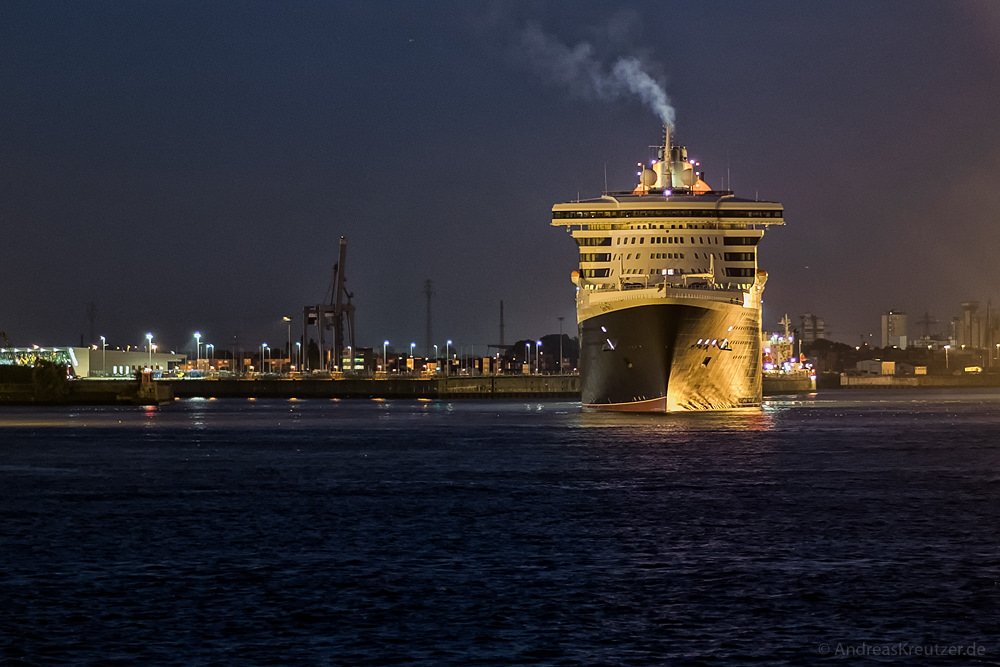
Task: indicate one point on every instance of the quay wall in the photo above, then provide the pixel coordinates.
(919, 381)
(500, 386)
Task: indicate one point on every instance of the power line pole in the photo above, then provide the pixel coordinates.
(429, 340)
(561, 344)
(503, 346)
(91, 317)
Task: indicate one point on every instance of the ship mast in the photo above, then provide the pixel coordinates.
(667, 176)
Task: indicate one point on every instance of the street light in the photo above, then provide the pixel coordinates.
(104, 356)
(287, 319)
(947, 366)
(298, 354)
(538, 361)
(197, 349)
(149, 347)
(413, 345)
(435, 353)
(447, 356)
(212, 356)
(263, 348)
(385, 359)
(527, 356)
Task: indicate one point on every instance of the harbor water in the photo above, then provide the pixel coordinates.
(842, 527)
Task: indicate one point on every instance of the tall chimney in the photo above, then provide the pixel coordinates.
(668, 180)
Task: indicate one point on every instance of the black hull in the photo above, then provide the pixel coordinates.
(671, 357)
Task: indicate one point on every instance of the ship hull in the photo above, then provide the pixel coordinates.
(676, 356)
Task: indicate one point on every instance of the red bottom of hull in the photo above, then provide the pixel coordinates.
(649, 405)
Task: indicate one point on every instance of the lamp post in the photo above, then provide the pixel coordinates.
(447, 356)
(197, 350)
(947, 365)
(287, 319)
(298, 354)
(385, 359)
(413, 345)
(435, 353)
(527, 356)
(104, 356)
(263, 349)
(149, 347)
(210, 356)
(538, 361)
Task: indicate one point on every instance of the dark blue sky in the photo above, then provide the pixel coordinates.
(191, 166)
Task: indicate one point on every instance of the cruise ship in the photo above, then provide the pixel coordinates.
(668, 291)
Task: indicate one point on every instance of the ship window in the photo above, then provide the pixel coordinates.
(638, 255)
(739, 273)
(738, 256)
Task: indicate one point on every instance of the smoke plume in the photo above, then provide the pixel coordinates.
(583, 73)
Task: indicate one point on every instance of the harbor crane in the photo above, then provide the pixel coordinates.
(333, 314)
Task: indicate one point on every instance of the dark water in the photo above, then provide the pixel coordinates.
(479, 533)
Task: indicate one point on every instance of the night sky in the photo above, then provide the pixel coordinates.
(191, 166)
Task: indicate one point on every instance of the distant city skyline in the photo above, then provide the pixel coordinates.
(188, 167)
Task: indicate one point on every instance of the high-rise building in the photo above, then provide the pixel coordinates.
(812, 328)
(969, 328)
(894, 329)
